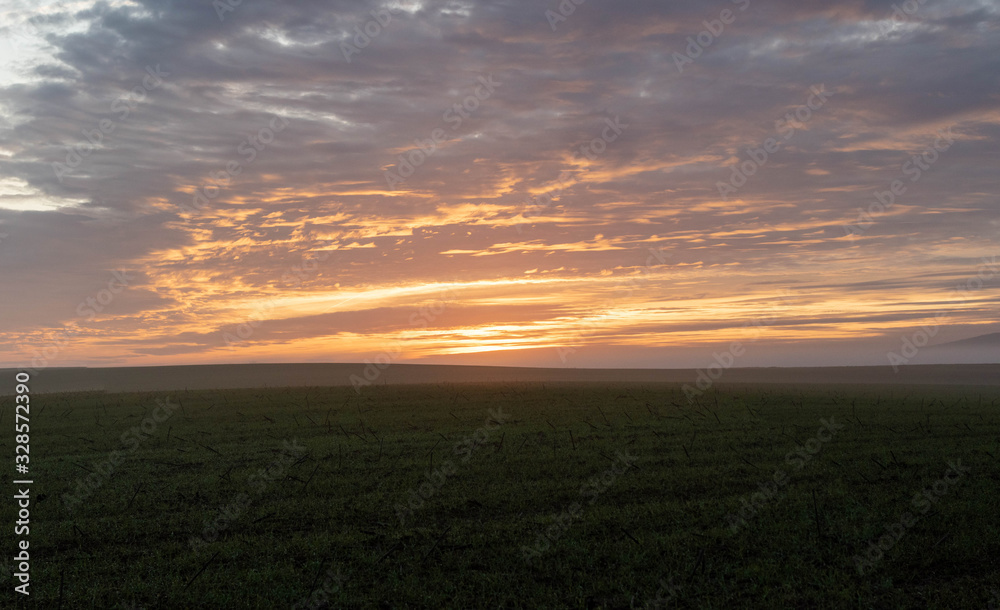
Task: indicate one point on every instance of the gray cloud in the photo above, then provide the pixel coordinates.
(320, 184)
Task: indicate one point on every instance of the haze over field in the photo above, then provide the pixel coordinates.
(694, 383)
(595, 184)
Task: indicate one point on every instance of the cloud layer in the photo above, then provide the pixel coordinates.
(637, 181)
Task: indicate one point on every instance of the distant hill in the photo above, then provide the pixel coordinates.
(231, 376)
(982, 349)
(991, 340)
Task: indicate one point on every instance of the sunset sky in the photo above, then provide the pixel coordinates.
(188, 182)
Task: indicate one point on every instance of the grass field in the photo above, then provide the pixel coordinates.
(514, 496)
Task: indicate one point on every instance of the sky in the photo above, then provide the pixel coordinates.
(581, 183)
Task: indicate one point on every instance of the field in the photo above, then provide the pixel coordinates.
(514, 496)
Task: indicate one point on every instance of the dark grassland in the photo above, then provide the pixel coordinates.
(327, 523)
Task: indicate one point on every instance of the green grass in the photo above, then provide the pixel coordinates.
(333, 508)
